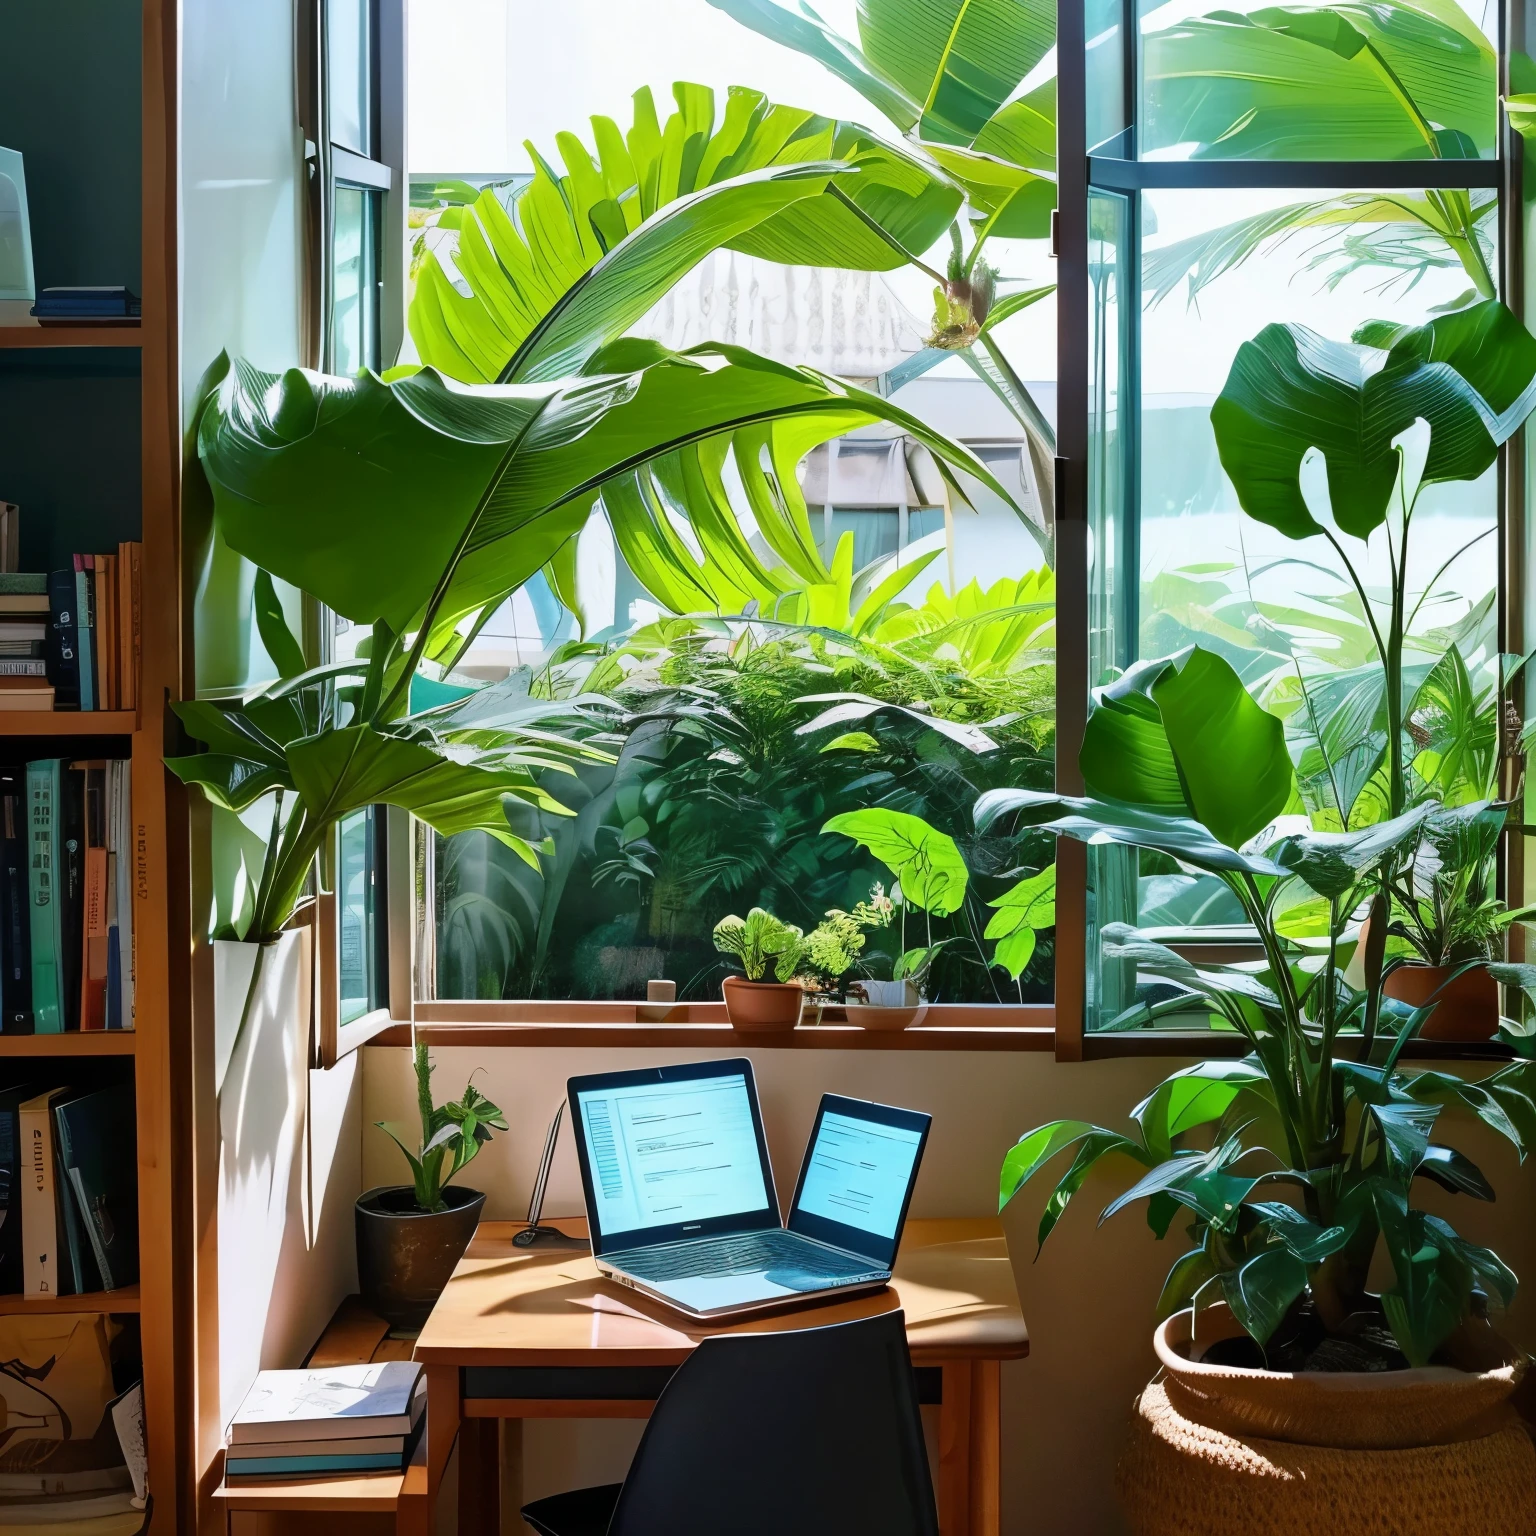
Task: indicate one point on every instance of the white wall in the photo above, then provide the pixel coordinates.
(1088, 1301)
(241, 290)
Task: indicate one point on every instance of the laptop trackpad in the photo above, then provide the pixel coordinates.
(704, 1293)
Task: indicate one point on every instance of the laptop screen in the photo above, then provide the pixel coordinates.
(672, 1152)
(857, 1178)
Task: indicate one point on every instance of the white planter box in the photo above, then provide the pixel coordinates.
(261, 1061)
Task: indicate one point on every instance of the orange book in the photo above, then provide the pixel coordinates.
(98, 570)
(126, 681)
(136, 604)
(94, 924)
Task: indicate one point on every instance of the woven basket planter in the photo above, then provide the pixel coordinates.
(1217, 1449)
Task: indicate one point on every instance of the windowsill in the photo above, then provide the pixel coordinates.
(945, 1027)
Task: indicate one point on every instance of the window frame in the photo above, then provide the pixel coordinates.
(1112, 166)
(329, 166)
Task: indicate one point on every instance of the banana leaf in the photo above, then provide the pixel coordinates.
(387, 500)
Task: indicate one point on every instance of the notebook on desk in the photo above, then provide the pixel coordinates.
(680, 1195)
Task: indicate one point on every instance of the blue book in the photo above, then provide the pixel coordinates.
(236, 1467)
(45, 884)
(87, 643)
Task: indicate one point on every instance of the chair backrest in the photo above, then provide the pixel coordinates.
(814, 1433)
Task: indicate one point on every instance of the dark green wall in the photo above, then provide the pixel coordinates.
(69, 420)
(70, 103)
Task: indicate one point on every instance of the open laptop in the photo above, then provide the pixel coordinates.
(680, 1196)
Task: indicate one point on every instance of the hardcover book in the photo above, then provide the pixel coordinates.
(63, 640)
(45, 895)
(331, 1404)
(15, 906)
(96, 1141)
(11, 1176)
(40, 1227)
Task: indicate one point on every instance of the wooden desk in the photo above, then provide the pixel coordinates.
(538, 1333)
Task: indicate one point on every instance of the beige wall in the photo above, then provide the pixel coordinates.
(1088, 1301)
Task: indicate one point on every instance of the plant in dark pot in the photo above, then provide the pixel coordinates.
(1294, 1168)
(410, 1236)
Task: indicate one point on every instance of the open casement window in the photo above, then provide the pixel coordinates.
(1203, 196)
(354, 62)
(355, 149)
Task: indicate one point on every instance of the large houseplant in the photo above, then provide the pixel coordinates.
(1290, 1167)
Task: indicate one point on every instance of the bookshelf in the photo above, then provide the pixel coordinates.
(90, 444)
(31, 338)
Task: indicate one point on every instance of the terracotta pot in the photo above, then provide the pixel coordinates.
(405, 1256)
(764, 1005)
(1468, 1009)
(1218, 1448)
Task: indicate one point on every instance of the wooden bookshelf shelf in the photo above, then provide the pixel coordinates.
(85, 1042)
(30, 337)
(124, 1299)
(67, 722)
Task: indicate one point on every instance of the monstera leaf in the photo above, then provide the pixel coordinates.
(571, 261)
(1471, 375)
(1184, 736)
(391, 501)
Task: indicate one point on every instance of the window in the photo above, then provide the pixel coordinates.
(1217, 201)
(717, 652)
(362, 965)
(355, 144)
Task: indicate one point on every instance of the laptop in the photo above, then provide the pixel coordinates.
(680, 1197)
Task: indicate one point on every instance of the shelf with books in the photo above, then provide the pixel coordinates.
(124, 1299)
(31, 336)
(83, 1042)
(68, 722)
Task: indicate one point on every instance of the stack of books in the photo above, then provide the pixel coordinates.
(68, 1215)
(66, 896)
(86, 306)
(327, 1423)
(24, 631)
(94, 629)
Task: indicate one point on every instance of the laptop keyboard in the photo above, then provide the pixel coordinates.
(782, 1256)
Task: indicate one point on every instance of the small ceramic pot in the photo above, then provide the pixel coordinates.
(1468, 1009)
(405, 1256)
(885, 1005)
(762, 1005)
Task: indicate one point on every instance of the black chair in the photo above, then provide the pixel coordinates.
(815, 1432)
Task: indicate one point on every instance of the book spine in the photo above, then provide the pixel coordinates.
(63, 640)
(10, 536)
(23, 666)
(126, 678)
(15, 911)
(11, 1279)
(125, 928)
(39, 1210)
(87, 1269)
(86, 646)
(93, 938)
(69, 816)
(104, 632)
(136, 596)
(43, 837)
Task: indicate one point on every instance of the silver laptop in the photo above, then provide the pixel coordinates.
(680, 1196)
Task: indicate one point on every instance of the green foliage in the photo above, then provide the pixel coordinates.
(759, 938)
(569, 261)
(925, 861)
(451, 1134)
(1342, 1138)
(833, 946)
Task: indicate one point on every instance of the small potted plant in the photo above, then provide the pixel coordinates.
(410, 1236)
(1445, 917)
(758, 941)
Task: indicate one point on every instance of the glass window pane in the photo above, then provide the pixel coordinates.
(349, 58)
(875, 533)
(355, 294)
(357, 933)
(1105, 67)
(1400, 83)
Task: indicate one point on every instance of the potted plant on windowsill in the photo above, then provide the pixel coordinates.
(410, 1236)
(1446, 919)
(761, 941)
(1290, 1169)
